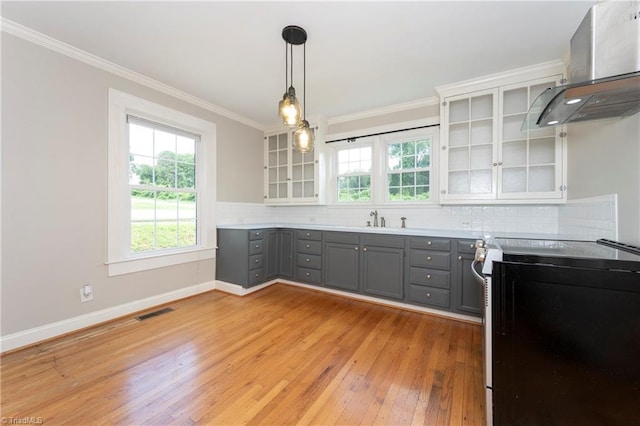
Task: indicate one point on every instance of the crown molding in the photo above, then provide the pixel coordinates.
(517, 75)
(58, 46)
(418, 103)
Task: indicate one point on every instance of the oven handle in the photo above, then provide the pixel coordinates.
(478, 276)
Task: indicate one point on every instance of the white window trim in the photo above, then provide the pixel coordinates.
(379, 163)
(119, 259)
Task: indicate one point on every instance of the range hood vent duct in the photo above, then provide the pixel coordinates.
(604, 71)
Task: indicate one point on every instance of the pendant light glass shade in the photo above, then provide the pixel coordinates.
(303, 137)
(289, 108)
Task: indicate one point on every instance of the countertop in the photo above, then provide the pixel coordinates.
(426, 232)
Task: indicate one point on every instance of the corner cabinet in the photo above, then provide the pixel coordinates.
(485, 156)
(291, 177)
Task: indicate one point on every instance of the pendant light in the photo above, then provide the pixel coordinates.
(303, 137)
(289, 107)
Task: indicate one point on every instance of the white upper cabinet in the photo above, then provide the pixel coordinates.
(291, 177)
(485, 156)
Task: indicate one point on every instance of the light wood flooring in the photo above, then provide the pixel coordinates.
(281, 356)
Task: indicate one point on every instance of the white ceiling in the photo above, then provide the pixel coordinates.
(360, 55)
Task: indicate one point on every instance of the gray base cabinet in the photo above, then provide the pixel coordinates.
(342, 260)
(469, 294)
(308, 257)
(431, 272)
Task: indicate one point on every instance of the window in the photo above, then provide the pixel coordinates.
(162, 183)
(161, 186)
(408, 164)
(388, 166)
(354, 174)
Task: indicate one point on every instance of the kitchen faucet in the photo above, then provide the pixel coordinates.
(375, 218)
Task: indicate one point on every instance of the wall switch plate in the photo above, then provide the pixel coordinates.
(86, 293)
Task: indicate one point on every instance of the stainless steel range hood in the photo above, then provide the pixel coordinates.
(604, 72)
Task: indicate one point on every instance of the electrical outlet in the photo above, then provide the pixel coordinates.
(86, 293)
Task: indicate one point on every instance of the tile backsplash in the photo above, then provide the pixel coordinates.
(585, 219)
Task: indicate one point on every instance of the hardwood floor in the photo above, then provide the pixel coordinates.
(283, 355)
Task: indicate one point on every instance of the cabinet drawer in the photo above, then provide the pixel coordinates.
(430, 243)
(256, 261)
(342, 237)
(466, 246)
(256, 276)
(255, 247)
(382, 240)
(429, 296)
(312, 275)
(305, 234)
(308, 261)
(309, 246)
(430, 277)
(256, 234)
(430, 259)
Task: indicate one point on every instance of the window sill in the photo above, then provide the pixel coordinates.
(138, 264)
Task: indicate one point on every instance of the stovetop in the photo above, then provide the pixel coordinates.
(603, 254)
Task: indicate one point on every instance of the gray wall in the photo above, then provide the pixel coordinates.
(420, 113)
(54, 187)
(604, 158)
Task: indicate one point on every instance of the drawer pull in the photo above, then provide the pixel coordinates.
(472, 245)
(428, 243)
(428, 258)
(257, 260)
(459, 257)
(428, 295)
(364, 249)
(308, 274)
(308, 260)
(308, 234)
(257, 274)
(257, 234)
(356, 248)
(428, 276)
(257, 245)
(308, 245)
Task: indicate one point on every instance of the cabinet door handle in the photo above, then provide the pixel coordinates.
(356, 248)
(428, 243)
(308, 234)
(472, 245)
(257, 245)
(257, 274)
(257, 260)
(308, 245)
(257, 234)
(308, 274)
(428, 295)
(428, 276)
(428, 258)
(308, 260)
(459, 257)
(364, 249)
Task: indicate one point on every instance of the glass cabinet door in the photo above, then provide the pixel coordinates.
(277, 167)
(303, 174)
(530, 161)
(472, 133)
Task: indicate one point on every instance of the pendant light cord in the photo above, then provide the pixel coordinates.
(304, 81)
(286, 67)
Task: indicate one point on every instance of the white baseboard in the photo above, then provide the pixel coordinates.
(37, 334)
(238, 290)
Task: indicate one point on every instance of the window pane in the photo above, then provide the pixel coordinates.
(187, 206)
(186, 146)
(164, 142)
(140, 170)
(140, 140)
(422, 192)
(167, 234)
(186, 175)
(422, 178)
(187, 233)
(394, 179)
(408, 179)
(409, 162)
(142, 236)
(408, 148)
(165, 173)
